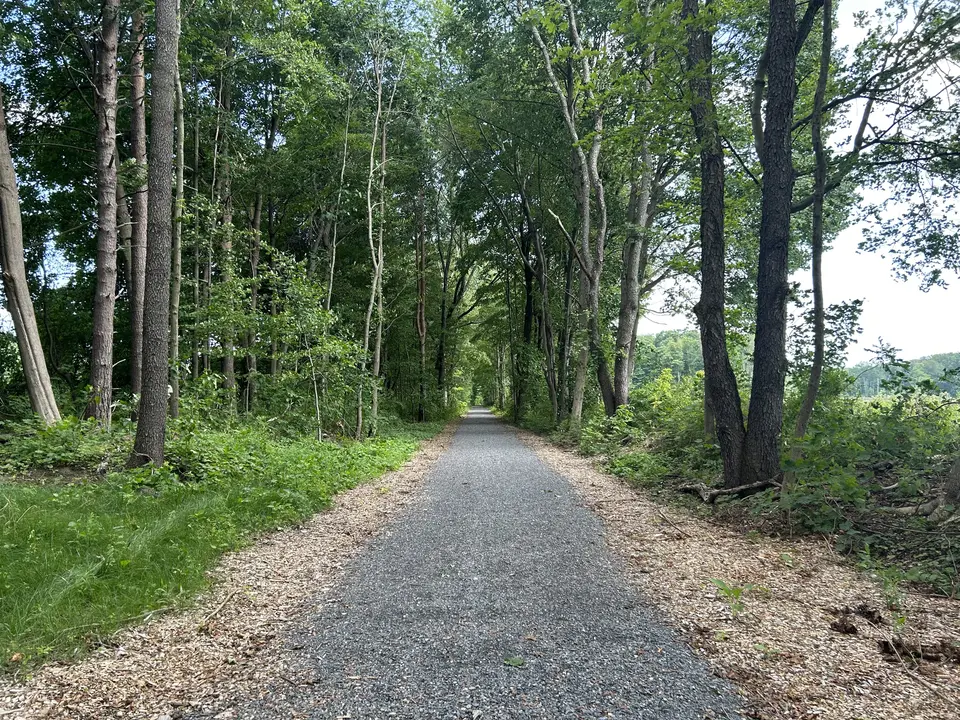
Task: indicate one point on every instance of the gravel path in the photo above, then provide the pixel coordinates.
(497, 561)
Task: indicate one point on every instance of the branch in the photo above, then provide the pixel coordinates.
(571, 241)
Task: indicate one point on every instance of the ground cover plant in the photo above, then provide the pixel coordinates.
(876, 474)
(87, 546)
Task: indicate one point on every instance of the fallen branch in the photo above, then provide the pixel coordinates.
(710, 495)
(206, 621)
(671, 522)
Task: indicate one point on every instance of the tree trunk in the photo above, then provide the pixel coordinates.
(762, 449)
(151, 425)
(138, 241)
(583, 363)
(125, 231)
(422, 308)
(590, 191)
(378, 341)
(371, 238)
(332, 254)
(566, 338)
(177, 235)
(101, 360)
(635, 248)
(195, 360)
(819, 190)
(546, 324)
(16, 289)
(225, 195)
(250, 362)
(720, 384)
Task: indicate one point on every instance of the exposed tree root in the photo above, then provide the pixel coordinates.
(710, 495)
(937, 510)
(943, 651)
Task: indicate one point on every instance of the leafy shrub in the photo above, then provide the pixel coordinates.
(645, 468)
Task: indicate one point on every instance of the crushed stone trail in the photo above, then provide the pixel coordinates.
(497, 560)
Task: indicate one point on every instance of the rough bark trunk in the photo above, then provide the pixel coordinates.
(546, 324)
(16, 289)
(583, 362)
(225, 195)
(138, 240)
(762, 445)
(421, 321)
(101, 360)
(819, 190)
(151, 425)
(177, 267)
(720, 384)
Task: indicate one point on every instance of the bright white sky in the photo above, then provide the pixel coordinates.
(917, 322)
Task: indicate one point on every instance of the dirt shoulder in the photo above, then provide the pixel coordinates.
(227, 643)
(814, 637)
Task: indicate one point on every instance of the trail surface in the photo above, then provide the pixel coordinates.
(497, 561)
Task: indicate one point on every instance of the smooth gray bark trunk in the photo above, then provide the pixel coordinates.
(16, 288)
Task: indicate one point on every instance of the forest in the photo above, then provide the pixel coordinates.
(252, 252)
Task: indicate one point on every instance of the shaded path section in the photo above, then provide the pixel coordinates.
(498, 559)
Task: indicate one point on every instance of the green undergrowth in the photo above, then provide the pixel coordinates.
(861, 457)
(87, 546)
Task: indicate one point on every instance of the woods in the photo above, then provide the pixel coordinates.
(321, 221)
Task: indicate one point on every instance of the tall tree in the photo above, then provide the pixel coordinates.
(152, 417)
(819, 192)
(721, 392)
(17, 290)
(138, 240)
(105, 88)
(761, 461)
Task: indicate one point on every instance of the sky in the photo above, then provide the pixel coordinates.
(897, 311)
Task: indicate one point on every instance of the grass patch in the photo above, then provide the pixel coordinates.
(79, 560)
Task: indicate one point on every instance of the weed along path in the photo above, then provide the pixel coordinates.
(494, 596)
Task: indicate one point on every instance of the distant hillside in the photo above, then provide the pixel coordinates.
(870, 377)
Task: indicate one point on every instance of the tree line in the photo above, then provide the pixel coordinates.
(364, 210)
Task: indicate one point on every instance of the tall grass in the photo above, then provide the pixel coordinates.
(79, 559)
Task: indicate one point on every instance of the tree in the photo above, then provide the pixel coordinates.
(138, 240)
(152, 417)
(721, 392)
(16, 288)
(105, 90)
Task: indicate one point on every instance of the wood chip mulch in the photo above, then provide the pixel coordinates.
(815, 638)
(225, 646)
